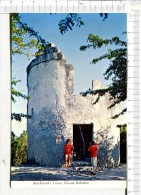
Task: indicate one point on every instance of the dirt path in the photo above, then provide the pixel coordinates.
(34, 173)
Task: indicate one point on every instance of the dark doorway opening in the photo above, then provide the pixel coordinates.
(82, 136)
(123, 145)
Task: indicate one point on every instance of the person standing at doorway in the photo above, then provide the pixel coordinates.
(93, 149)
(68, 149)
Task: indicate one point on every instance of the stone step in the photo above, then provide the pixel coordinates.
(81, 163)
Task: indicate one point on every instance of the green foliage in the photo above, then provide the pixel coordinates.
(69, 22)
(104, 16)
(20, 30)
(18, 149)
(16, 93)
(19, 116)
(74, 19)
(123, 128)
(13, 148)
(117, 69)
(23, 46)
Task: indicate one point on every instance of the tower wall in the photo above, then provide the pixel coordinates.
(47, 84)
(54, 109)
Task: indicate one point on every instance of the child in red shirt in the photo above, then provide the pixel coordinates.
(93, 149)
(68, 148)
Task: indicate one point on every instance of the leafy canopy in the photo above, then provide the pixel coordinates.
(18, 148)
(24, 39)
(69, 22)
(117, 70)
(20, 31)
(118, 58)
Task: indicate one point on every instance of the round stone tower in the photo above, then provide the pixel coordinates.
(47, 87)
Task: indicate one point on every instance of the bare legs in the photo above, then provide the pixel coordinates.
(67, 160)
(94, 164)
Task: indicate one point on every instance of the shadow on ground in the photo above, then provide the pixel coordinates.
(73, 173)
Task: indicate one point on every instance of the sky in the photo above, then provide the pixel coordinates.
(69, 43)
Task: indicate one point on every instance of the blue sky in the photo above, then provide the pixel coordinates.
(69, 44)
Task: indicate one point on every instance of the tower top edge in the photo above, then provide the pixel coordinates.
(50, 52)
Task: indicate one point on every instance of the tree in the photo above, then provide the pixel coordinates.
(19, 148)
(19, 31)
(13, 148)
(15, 93)
(117, 69)
(69, 22)
(23, 46)
(72, 20)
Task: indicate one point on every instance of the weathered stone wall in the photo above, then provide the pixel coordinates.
(105, 132)
(55, 108)
(47, 90)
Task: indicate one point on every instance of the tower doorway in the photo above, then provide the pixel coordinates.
(82, 136)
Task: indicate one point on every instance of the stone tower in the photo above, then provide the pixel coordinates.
(47, 80)
(58, 114)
